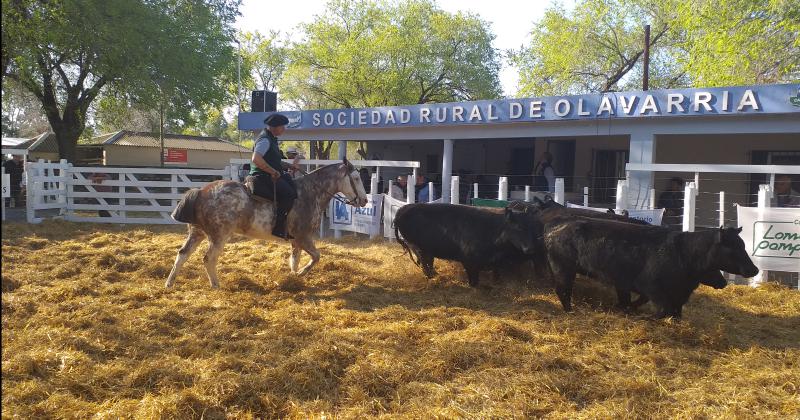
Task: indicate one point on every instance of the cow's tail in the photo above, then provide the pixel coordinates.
(185, 211)
(406, 247)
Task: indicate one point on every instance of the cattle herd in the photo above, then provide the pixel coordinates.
(659, 264)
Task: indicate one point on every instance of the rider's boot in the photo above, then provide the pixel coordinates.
(279, 229)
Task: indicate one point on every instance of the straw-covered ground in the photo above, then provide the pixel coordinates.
(90, 332)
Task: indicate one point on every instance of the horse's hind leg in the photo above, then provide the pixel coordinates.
(308, 246)
(294, 258)
(195, 237)
(211, 257)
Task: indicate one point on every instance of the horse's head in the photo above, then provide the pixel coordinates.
(350, 184)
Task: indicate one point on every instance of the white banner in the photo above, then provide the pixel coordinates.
(652, 217)
(771, 237)
(365, 219)
(390, 207)
(6, 185)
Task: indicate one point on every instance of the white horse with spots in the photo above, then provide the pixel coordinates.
(224, 208)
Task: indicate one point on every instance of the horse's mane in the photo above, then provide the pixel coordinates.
(319, 171)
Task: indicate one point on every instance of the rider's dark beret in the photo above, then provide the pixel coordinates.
(276, 120)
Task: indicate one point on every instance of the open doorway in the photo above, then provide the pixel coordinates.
(563, 152)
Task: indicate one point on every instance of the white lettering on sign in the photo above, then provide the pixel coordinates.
(328, 118)
(748, 99)
(536, 109)
(627, 107)
(675, 100)
(581, 111)
(514, 110)
(390, 117)
(376, 117)
(458, 113)
(492, 116)
(315, 119)
(405, 116)
(702, 98)
(648, 105)
(342, 118)
(605, 106)
(475, 114)
(441, 114)
(562, 107)
(425, 115)
(362, 117)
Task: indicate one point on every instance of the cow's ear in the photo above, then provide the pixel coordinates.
(509, 212)
(739, 230)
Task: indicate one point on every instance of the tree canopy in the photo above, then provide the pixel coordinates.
(598, 45)
(171, 52)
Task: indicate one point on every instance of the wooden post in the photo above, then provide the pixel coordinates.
(454, 190)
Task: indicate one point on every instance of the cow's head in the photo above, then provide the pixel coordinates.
(728, 253)
(522, 230)
(715, 279)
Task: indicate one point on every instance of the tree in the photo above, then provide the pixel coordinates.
(22, 112)
(377, 53)
(168, 52)
(598, 46)
(741, 42)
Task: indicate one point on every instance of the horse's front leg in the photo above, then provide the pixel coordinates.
(294, 258)
(211, 257)
(196, 236)
(308, 246)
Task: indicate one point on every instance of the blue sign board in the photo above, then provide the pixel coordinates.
(764, 99)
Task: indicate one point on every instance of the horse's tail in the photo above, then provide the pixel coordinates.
(185, 211)
(406, 248)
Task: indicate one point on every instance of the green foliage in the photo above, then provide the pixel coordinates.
(375, 53)
(740, 42)
(170, 52)
(598, 46)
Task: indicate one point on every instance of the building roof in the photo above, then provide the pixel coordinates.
(177, 141)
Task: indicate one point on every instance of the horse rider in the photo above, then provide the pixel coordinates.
(271, 181)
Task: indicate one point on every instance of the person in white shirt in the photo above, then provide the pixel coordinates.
(544, 177)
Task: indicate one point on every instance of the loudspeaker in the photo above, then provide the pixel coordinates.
(263, 101)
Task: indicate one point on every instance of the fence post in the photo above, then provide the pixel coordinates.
(430, 192)
(455, 194)
(652, 198)
(527, 193)
(61, 198)
(3, 169)
(764, 200)
(373, 184)
(123, 178)
(411, 183)
(586, 196)
(475, 190)
(560, 199)
(689, 202)
(722, 208)
(622, 195)
(502, 192)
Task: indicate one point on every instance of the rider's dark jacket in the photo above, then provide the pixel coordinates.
(273, 155)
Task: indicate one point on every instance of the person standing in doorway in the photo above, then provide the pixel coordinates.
(544, 176)
(14, 168)
(671, 201)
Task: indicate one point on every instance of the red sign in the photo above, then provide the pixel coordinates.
(176, 155)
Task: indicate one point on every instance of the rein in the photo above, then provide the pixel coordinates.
(345, 200)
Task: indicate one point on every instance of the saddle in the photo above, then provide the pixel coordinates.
(250, 183)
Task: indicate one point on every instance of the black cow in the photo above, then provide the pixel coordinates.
(478, 239)
(662, 265)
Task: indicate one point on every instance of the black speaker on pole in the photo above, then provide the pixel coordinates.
(263, 101)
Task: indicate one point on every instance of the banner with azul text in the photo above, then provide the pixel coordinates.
(771, 237)
(365, 219)
(652, 217)
(764, 99)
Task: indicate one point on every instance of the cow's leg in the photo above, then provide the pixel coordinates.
(426, 261)
(623, 299)
(211, 258)
(294, 258)
(564, 278)
(308, 246)
(473, 273)
(195, 237)
(641, 300)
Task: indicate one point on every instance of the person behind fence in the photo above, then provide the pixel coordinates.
(399, 188)
(14, 168)
(294, 154)
(671, 201)
(422, 190)
(785, 195)
(271, 181)
(544, 176)
(366, 179)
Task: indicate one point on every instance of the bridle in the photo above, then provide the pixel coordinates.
(352, 185)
